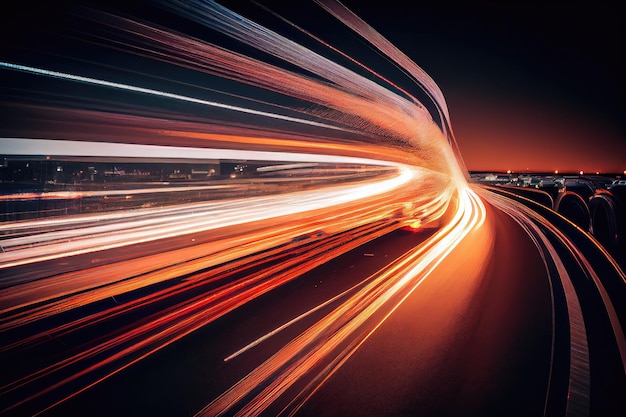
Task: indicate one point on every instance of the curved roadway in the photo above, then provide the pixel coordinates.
(495, 312)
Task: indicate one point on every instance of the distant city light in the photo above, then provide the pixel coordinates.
(581, 173)
(508, 171)
(556, 171)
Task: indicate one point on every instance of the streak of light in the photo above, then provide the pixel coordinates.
(24, 146)
(14, 296)
(97, 238)
(173, 324)
(428, 85)
(290, 322)
(149, 91)
(283, 167)
(204, 260)
(389, 289)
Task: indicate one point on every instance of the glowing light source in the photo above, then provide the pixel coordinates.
(414, 226)
(418, 166)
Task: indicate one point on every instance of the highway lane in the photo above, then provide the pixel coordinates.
(351, 238)
(311, 303)
(487, 328)
(475, 339)
(189, 238)
(181, 379)
(463, 343)
(199, 276)
(480, 317)
(594, 289)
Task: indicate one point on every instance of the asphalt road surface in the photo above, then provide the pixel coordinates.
(489, 329)
(393, 288)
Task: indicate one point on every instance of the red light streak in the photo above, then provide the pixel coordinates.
(388, 289)
(205, 252)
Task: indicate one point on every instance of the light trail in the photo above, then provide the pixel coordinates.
(165, 94)
(251, 210)
(388, 289)
(200, 311)
(213, 244)
(31, 290)
(63, 148)
(120, 286)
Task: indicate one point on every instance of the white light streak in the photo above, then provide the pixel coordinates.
(136, 89)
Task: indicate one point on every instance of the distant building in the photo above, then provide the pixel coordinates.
(39, 171)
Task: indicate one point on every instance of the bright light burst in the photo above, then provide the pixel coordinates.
(286, 104)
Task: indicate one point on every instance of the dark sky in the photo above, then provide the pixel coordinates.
(535, 86)
(528, 86)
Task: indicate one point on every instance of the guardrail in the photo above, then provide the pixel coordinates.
(598, 210)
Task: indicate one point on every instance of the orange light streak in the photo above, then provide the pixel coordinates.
(390, 286)
(216, 256)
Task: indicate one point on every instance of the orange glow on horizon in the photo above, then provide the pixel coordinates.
(497, 134)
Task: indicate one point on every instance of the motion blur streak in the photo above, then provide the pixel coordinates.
(132, 88)
(203, 218)
(410, 180)
(319, 159)
(404, 119)
(418, 74)
(350, 323)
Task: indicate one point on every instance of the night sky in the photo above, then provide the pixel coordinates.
(530, 86)
(534, 87)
